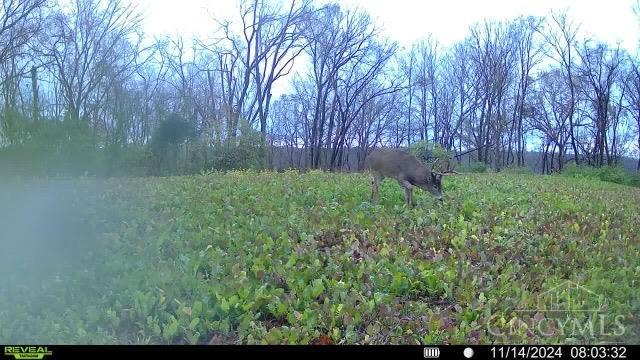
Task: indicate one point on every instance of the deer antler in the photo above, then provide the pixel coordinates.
(448, 170)
(433, 166)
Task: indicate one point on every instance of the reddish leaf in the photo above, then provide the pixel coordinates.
(325, 340)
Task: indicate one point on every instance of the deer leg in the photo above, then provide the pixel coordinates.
(408, 197)
(408, 192)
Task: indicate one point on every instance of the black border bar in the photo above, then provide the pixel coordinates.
(327, 351)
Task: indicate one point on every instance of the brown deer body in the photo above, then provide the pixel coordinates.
(407, 170)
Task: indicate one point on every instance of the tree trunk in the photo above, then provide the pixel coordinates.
(34, 89)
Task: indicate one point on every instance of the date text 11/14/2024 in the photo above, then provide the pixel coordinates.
(559, 352)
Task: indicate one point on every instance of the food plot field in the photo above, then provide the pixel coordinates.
(290, 258)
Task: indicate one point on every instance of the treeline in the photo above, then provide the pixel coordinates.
(85, 90)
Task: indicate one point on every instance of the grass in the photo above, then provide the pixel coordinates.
(261, 257)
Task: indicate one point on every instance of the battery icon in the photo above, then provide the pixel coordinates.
(431, 353)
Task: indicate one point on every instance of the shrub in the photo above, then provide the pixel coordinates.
(247, 151)
(424, 150)
(128, 161)
(54, 149)
(634, 179)
(167, 146)
(517, 170)
(573, 170)
(474, 167)
(614, 174)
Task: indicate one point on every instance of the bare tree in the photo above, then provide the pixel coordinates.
(562, 43)
(551, 104)
(356, 87)
(335, 39)
(490, 95)
(632, 93)
(408, 67)
(267, 48)
(426, 54)
(19, 21)
(599, 71)
(528, 52)
(491, 54)
(89, 45)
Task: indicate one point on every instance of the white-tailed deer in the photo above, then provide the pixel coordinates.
(407, 170)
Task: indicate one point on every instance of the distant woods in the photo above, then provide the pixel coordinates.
(84, 90)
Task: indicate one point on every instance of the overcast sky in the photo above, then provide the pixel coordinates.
(409, 20)
(406, 21)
